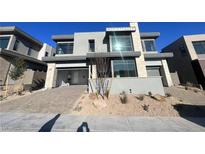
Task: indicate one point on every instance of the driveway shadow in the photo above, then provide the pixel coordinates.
(193, 113)
(47, 127)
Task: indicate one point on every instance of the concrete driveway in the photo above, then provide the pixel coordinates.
(57, 100)
(69, 123)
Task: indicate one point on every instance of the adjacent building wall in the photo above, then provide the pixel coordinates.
(180, 64)
(188, 41)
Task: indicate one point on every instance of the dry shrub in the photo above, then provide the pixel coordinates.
(145, 107)
(168, 95)
(123, 97)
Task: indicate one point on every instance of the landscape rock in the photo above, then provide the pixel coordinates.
(158, 97)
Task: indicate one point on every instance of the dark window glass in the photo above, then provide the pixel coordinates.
(199, 47)
(122, 43)
(29, 51)
(124, 68)
(149, 45)
(91, 45)
(46, 54)
(4, 41)
(153, 71)
(64, 48)
(16, 45)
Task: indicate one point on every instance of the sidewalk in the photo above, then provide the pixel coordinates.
(69, 123)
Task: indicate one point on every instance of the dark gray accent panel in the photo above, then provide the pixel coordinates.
(63, 58)
(16, 31)
(113, 54)
(158, 55)
(57, 38)
(149, 35)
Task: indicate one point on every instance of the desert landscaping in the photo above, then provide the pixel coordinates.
(135, 105)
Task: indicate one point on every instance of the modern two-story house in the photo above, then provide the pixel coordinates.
(15, 43)
(134, 64)
(188, 63)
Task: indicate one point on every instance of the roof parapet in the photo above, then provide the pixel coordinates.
(17, 31)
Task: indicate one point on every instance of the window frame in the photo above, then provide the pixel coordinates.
(144, 46)
(46, 54)
(111, 43)
(195, 48)
(29, 51)
(9, 42)
(113, 69)
(65, 42)
(89, 43)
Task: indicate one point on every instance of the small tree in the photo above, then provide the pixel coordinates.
(102, 66)
(18, 70)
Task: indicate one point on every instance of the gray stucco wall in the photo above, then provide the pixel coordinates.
(81, 43)
(136, 85)
(24, 45)
(4, 67)
(181, 63)
(23, 48)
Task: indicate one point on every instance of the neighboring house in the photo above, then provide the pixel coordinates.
(14, 43)
(188, 64)
(135, 65)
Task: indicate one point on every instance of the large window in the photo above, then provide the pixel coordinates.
(149, 45)
(199, 47)
(122, 43)
(124, 68)
(64, 48)
(91, 45)
(4, 41)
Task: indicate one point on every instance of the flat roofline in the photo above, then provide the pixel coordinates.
(91, 55)
(143, 35)
(149, 35)
(120, 29)
(113, 54)
(62, 37)
(17, 31)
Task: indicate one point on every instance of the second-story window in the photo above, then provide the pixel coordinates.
(122, 43)
(46, 54)
(91, 45)
(16, 45)
(149, 45)
(64, 48)
(29, 51)
(4, 41)
(199, 47)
